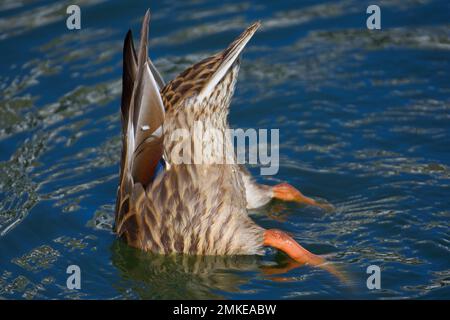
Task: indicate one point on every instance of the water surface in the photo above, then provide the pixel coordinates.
(364, 123)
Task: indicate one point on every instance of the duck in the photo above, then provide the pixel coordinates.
(165, 206)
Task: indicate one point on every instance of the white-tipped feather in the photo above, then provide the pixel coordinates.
(230, 58)
(159, 80)
(151, 112)
(145, 115)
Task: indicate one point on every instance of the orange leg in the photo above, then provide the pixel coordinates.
(282, 241)
(286, 192)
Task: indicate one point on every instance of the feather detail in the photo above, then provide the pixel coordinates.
(156, 75)
(202, 78)
(229, 56)
(145, 112)
(191, 209)
(148, 117)
(128, 75)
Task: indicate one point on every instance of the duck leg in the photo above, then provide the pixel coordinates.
(282, 241)
(286, 192)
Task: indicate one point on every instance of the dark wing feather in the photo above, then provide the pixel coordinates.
(142, 118)
(148, 116)
(129, 72)
(128, 76)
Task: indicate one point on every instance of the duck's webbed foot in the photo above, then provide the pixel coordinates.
(282, 241)
(286, 192)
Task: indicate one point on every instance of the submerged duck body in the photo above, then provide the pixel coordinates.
(189, 208)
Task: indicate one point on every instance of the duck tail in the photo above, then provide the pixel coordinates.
(227, 58)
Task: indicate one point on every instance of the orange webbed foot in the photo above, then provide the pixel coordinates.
(283, 242)
(286, 192)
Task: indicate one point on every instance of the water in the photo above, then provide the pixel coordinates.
(363, 118)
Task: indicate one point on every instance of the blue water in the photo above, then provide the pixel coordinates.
(364, 119)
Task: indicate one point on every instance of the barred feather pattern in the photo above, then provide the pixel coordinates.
(193, 208)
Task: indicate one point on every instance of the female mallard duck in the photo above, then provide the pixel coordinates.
(164, 206)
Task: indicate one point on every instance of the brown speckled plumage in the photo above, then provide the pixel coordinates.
(188, 208)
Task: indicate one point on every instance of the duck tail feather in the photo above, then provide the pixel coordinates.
(228, 57)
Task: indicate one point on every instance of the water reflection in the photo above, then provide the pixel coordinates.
(179, 276)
